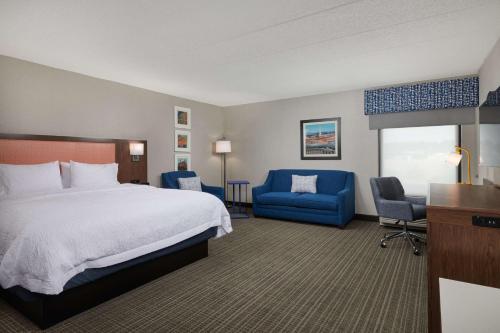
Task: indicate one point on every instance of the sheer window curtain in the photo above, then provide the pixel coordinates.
(418, 156)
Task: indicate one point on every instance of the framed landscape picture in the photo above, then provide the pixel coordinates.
(182, 162)
(320, 139)
(182, 141)
(182, 117)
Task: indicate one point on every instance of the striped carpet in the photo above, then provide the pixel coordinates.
(272, 276)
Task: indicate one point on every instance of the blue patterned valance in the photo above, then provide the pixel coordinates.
(447, 94)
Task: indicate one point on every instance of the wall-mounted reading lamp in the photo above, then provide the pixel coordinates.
(136, 151)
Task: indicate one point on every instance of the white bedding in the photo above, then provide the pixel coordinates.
(47, 239)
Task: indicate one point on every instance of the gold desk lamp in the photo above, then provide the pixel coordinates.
(456, 157)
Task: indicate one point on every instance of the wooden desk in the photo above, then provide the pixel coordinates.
(456, 249)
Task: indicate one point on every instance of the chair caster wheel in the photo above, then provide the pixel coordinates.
(383, 245)
(416, 252)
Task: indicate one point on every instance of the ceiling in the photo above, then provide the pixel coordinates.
(228, 52)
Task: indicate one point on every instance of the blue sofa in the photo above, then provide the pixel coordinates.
(332, 204)
(169, 180)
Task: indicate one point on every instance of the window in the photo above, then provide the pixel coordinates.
(418, 156)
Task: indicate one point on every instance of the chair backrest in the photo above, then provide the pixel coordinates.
(388, 188)
(328, 182)
(169, 179)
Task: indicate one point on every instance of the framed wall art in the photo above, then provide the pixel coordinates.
(182, 141)
(182, 117)
(320, 139)
(182, 162)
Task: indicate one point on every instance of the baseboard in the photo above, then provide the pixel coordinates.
(366, 217)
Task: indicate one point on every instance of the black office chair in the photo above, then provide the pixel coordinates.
(391, 202)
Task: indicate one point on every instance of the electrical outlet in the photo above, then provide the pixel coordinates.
(486, 221)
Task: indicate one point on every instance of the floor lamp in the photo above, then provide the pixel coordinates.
(223, 147)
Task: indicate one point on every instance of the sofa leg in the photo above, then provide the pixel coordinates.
(341, 226)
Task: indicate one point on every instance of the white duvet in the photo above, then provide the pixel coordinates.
(47, 239)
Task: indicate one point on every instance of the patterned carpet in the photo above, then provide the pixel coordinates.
(272, 276)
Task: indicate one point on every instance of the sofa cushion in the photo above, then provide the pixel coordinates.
(316, 201)
(277, 198)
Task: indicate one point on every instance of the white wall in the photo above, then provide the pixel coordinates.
(267, 136)
(489, 79)
(36, 99)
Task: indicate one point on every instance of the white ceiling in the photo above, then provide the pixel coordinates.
(228, 52)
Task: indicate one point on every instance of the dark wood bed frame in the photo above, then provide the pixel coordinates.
(51, 309)
(47, 310)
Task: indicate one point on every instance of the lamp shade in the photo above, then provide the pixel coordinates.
(223, 146)
(454, 159)
(136, 149)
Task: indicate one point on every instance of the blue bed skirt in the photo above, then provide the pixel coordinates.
(93, 274)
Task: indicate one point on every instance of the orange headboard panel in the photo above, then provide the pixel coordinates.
(40, 151)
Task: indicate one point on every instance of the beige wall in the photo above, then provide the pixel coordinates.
(489, 78)
(258, 125)
(267, 136)
(36, 99)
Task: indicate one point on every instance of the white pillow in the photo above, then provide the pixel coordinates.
(93, 175)
(29, 178)
(190, 183)
(304, 183)
(66, 174)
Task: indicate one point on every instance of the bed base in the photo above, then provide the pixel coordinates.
(49, 310)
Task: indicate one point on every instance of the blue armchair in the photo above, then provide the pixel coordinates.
(169, 180)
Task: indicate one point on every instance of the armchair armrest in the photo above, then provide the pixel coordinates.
(266, 187)
(401, 210)
(212, 189)
(417, 199)
(215, 190)
(258, 190)
(346, 199)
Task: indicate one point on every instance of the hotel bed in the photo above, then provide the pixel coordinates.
(62, 252)
(47, 239)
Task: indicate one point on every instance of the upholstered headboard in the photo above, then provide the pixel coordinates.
(32, 149)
